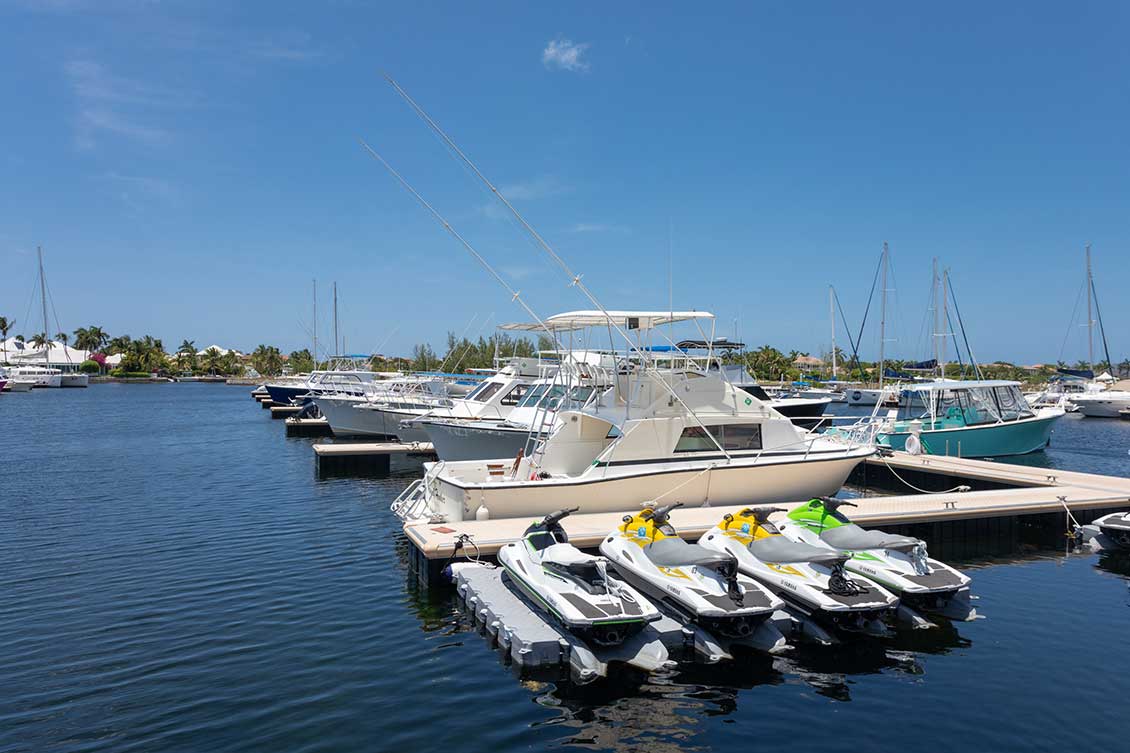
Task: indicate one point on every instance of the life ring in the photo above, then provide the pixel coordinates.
(913, 445)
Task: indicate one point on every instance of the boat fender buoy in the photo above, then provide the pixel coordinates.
(913, 445)
(482, 513)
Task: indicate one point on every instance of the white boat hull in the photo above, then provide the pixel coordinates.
(751, 483)
(347, 420)
(1102, 407)
(74, 380)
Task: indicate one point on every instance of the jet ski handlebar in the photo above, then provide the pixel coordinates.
(831, 503)
(659, 514)
(555, 517)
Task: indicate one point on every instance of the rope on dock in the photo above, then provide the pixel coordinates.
(959, 488)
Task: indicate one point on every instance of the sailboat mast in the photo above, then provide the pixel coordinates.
(336, 351)
(1090, 315)
(315, 353)
(945, 323)
(832, 317)
(43, 297)
(937, 322)
(883, 320)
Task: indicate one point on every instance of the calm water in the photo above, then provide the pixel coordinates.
(174, 578)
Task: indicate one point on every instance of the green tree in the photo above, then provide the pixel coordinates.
(6, 325)
(186, 356)
(40, 340)
(120, 345)
(300, 361)
(267, 360)
(211, 360)
(231, 364)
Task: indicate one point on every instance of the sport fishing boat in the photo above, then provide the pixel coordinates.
(491, 402)
(575, 589)
(985, 418)
(345, 377)
(699, 586)
(810, 578)
(573, 385)
(898, 563)
(345, 410)
(654, 431)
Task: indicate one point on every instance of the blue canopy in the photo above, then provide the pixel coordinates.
(1081, 373)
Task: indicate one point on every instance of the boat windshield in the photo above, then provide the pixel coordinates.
(975, 406)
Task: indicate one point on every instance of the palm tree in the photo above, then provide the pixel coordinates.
(119, 345)
(267, 360)
(186, 355)
(90, 338)
(5, 325)
(212, 360)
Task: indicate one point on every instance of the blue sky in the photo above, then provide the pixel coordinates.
(189, 167)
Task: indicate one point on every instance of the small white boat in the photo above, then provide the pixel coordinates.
(36, 376)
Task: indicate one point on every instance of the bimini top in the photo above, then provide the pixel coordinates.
(957, 384)
(535, 327)
(626, 319)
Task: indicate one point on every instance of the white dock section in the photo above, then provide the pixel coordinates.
(373, 456)
(284, 411)
(308, 427)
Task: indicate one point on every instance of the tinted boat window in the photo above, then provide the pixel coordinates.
(730, 436)
(514, 396)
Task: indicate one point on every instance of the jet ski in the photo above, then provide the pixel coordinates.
(810, 578)
(1111, 531)
(699, 586)
(898, 563)
(575, 588)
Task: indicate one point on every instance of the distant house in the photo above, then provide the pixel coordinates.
(807, 362)
(55, 355)
(223, 351)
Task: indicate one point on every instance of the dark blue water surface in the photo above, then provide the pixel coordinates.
(173, 577)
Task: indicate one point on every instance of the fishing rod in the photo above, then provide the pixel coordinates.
(574, 278)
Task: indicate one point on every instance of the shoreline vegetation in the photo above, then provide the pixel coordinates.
(124, 358)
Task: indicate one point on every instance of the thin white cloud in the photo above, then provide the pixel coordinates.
(542, 187)
(566, 55)
(117, 105)
(140, 186)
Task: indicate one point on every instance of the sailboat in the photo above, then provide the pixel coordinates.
(882, 394)
(44, 374)
(964, 418)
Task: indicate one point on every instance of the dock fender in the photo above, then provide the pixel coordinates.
(913, 445)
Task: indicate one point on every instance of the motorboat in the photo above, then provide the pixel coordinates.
(898, 563)
(490, 402)
(74, 379)
(887, 395)
(656, 430)
(973, 419)
(1106, 403)
(342, 379)
(15, 382)
(469, 432)
(348, 413)
(700, 586)
(1111, 531)
(575, 589)
(37, 376)
(810, 578)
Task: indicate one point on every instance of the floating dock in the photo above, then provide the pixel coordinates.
(284, 411)
(308, 427)
(995, 498)
(366, 457)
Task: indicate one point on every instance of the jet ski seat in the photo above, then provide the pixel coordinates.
(674, 552)
(1117, 521)
(851, 537)
(780, 549)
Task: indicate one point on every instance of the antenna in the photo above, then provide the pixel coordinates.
(315, 330)
(832, 316)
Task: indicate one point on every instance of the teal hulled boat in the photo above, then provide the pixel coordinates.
(973, 419)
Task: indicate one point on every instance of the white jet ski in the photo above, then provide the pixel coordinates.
(699, 586)
(898, 563)
(575, 588)
(810, 578)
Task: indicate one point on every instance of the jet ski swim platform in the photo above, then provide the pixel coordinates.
(531, 642)
(1009, 504)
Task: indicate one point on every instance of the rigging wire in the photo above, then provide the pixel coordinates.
(1071, 321)
(574, 279)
